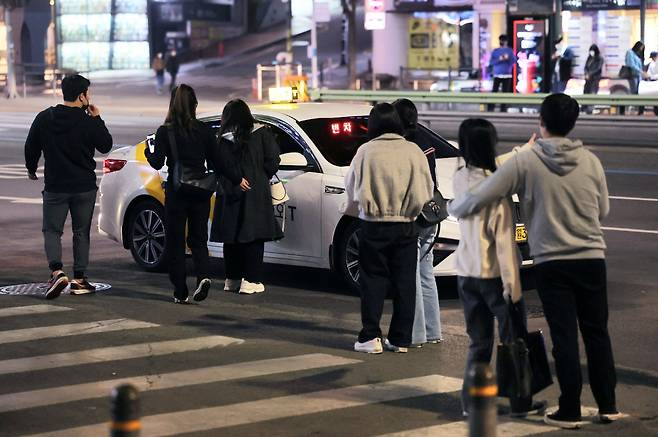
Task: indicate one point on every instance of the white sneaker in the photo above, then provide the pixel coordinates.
(251, 287)
(611, 417)
(393, 348)
(373, 346)
(232, 285)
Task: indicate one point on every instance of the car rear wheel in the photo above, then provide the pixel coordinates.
(147, 236)
(347, 255)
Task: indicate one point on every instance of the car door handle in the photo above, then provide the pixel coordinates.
(333, 190)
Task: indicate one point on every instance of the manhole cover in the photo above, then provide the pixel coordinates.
(534, 311)
(39, 288)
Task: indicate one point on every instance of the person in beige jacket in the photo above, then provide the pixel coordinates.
(387, 184)
(487, 259)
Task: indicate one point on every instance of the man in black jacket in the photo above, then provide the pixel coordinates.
(67, 135)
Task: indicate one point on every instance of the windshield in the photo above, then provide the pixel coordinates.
(339, 138)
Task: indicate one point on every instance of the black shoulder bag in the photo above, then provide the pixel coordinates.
(434, 211)
(188, 181)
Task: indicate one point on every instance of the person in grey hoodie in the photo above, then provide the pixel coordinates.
(387, 184)
(564, 196)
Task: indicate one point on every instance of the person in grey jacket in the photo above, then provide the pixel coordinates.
(387, 184)
(564, 196)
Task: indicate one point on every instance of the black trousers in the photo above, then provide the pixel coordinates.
(193, 211)
(573, 294)
(483, 301)
(591, 87)
(244, 260)
(388, 255)
(500, 82)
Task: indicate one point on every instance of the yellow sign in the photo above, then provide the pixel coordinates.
(433, 44)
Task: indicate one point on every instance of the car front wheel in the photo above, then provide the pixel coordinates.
(148, 238)
(347, 255)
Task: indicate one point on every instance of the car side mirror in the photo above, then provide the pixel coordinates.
(293, 161)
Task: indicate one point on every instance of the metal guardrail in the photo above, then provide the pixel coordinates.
(323, 94)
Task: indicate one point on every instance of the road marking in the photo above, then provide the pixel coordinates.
(18, 335)
(204, 419)
(105, 354)
(32, 309)
(207, 375)
(460, 429)
(633, 172)
(637, 231)
(639, 199)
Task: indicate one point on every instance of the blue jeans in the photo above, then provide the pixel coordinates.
(427, 319)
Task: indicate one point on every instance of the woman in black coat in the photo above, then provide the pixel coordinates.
(593, 71)
(244, 217)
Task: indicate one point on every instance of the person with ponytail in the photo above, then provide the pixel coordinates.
(195, 145)
(244, 216)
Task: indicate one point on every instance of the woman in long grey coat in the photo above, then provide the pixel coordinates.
(244, 217)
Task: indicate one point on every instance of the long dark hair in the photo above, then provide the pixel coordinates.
(408, 116)
(237, 118)
(594, 48)
(477, 143)
(182, 108)
(384, 119)
(638, 48)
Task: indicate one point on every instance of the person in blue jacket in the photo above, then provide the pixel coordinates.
(501, 64)
(635, 62)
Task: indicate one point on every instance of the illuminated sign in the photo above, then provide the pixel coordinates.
(338, 127)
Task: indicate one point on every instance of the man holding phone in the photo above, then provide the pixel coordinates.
(68, 135)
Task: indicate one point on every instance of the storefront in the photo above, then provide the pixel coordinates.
(102, 34)
(613, 25)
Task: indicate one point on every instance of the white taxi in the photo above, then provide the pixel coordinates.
(317, 142)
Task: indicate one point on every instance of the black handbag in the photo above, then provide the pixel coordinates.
(625, 72)
(434, 211)
(187, 181)
(522, 365)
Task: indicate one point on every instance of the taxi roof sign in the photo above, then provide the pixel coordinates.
(284, 94)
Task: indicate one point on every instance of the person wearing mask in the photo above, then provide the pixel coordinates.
(593, 71)
(158, 66)
(501, 65)
(172, 66)
(244, 215)
(194, 144)
(564, 195)
(563, 58)
(387, 184)
(67, 135)
(487, 258)
(427, 318)
(635, 62)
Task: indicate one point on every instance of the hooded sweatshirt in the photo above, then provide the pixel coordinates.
(388, 181)
(563, 195)
(67, 138)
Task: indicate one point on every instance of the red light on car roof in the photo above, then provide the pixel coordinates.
(110, 165)
(338, 128)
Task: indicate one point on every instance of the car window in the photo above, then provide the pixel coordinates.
(339, 138)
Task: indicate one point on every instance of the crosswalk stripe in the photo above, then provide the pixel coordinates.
(28, 334)
(460, 429)
(31, 309)
(204, 419)
(116, 353)
(207, 375)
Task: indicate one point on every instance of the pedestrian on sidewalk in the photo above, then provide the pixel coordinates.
(593, 71)
(158, 66)
(68, 135)
(501, 65)
(172, 66)
(387, 184)
(195, 145)
(634, 61)
(564, 196)
(427, 318)
(244, 217)
(487, 258)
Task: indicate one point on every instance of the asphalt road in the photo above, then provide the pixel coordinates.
(249, 365)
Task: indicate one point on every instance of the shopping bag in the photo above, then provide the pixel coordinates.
(541, 372)
(513, 370)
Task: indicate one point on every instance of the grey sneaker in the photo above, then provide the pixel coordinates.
(393, 348)
(373, 346)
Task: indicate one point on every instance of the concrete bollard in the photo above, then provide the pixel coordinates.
(125, 412)
(483, 409)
